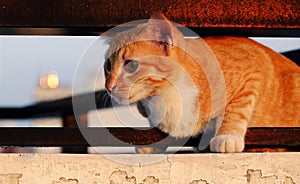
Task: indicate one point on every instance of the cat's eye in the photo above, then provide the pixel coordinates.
(107, 65)
(131, 66)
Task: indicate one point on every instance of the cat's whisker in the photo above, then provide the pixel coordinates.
(108, 100)
(102, 99)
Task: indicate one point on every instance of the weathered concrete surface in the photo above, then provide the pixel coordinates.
(264, 168)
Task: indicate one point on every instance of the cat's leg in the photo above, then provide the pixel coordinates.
(147, 149)
(233, 125)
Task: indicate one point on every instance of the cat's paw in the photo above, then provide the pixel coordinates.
(149, 150)
(227, 143)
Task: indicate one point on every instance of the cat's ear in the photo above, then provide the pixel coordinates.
(164, 30)
(159, 16)
(107, 39)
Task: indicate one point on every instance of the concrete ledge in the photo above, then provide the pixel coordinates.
(248, 168)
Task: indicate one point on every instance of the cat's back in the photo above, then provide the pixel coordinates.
(275, 77)
(243, 56)
(237, 49)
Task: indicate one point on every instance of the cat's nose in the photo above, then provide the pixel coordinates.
(109, 87)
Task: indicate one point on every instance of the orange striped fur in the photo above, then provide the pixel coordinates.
(173, 83)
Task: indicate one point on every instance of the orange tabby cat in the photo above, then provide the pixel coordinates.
(176, 86)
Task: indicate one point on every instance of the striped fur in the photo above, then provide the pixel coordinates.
(177, 87)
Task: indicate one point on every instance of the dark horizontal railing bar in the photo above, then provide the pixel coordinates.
(120, 137)
(199, 31)
(82, 103)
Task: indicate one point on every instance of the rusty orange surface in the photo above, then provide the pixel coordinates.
(201, 13)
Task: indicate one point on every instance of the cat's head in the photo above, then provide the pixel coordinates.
(140, 62)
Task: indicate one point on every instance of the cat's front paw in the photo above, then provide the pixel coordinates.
(227, 143)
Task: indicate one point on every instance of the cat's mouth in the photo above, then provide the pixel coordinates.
(123, 98)
(120, 99)
(126, 99)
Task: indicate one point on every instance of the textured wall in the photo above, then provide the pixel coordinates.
(265, 168)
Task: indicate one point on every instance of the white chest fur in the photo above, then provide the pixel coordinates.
(175, 110)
